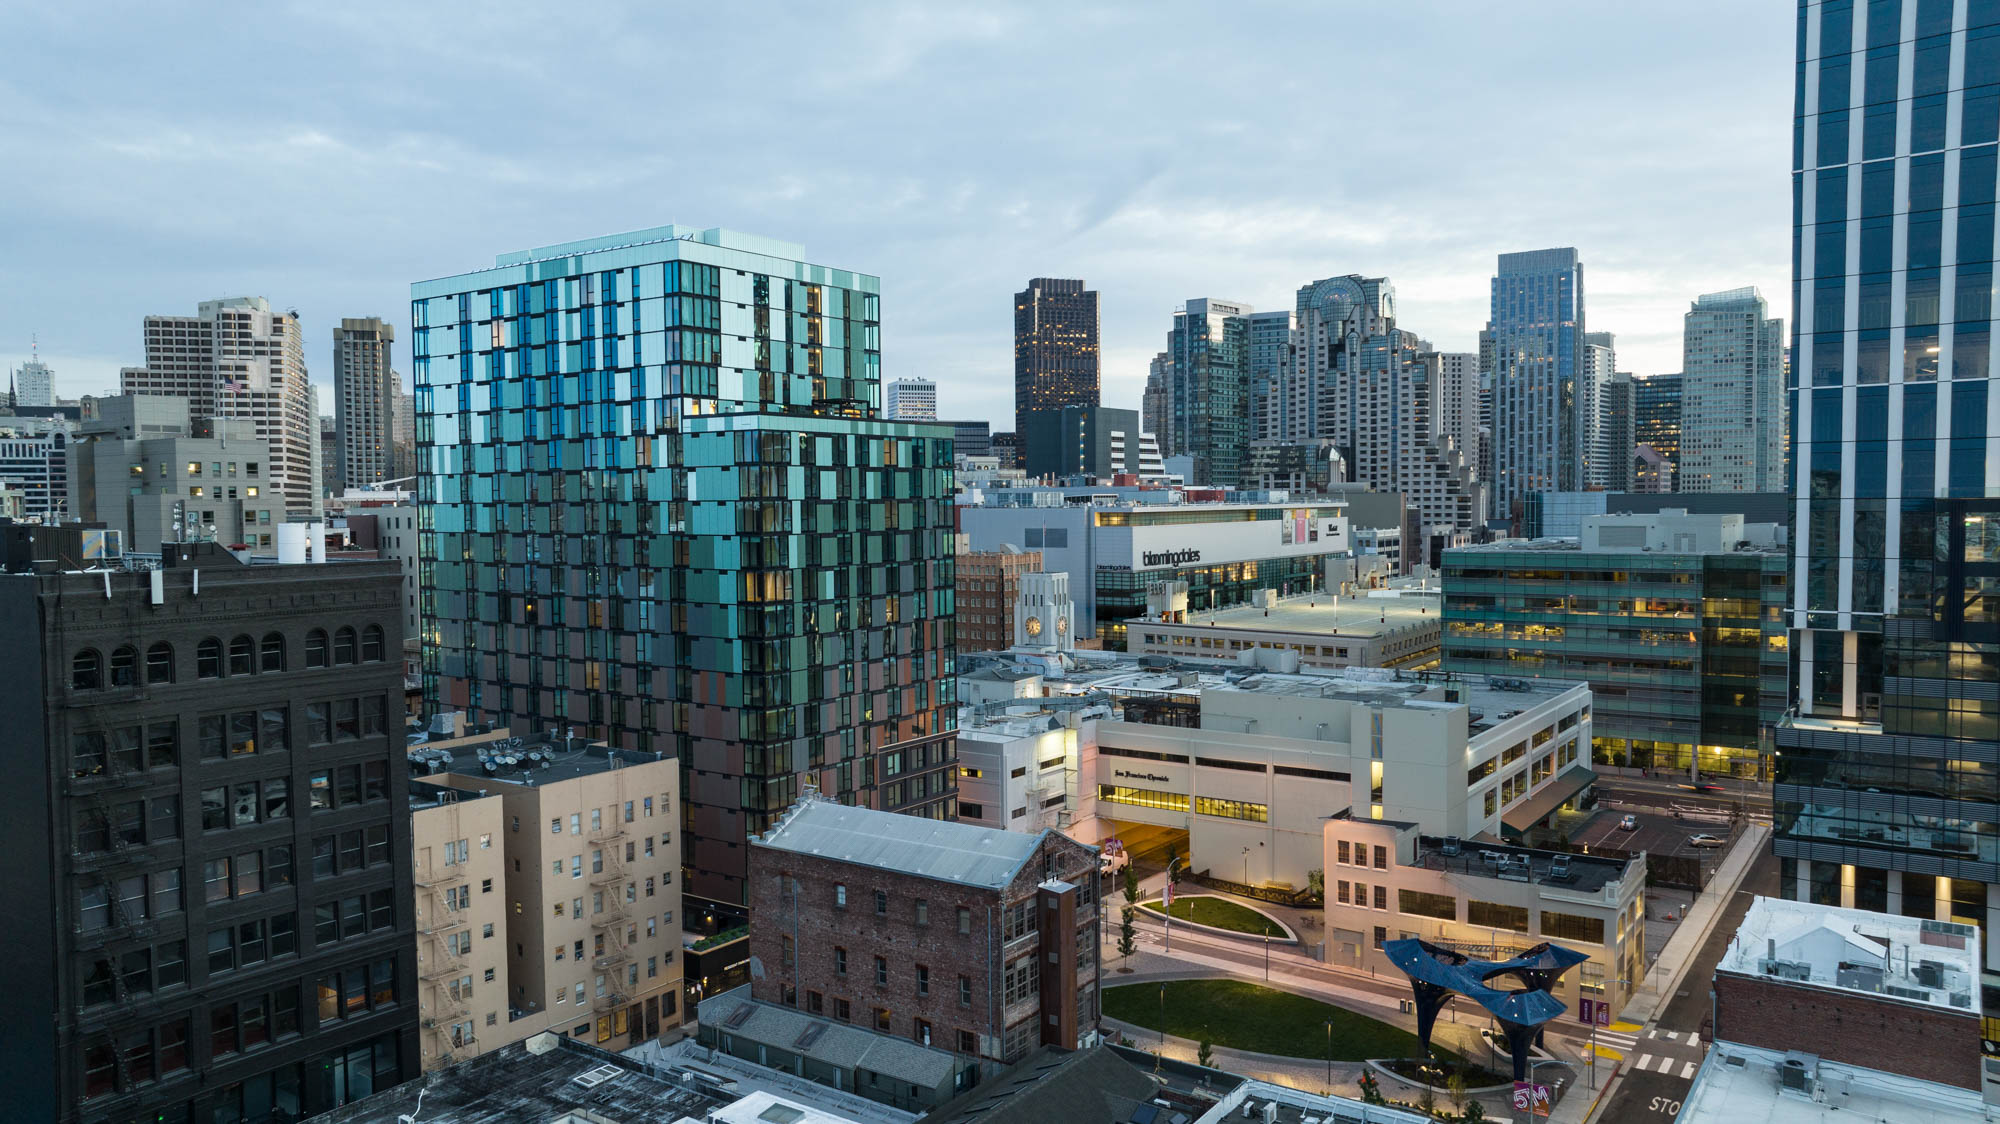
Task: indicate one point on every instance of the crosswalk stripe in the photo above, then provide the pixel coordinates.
(1644, 1061)
(1688, 1069)
(1666, 1064)
(1694, 1038)
(1673, 1036)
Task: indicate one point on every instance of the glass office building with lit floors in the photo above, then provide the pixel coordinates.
(662, 509)
(1886, 794)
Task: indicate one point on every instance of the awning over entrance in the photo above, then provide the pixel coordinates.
(1529, 812)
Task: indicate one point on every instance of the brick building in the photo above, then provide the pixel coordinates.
(979, 941)
(1855, 987)
(989, 581)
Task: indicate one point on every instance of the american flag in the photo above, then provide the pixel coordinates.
(233, 385)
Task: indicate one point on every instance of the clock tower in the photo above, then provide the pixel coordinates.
(1044, 616)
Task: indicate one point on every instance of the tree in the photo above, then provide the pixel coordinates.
(1371, 1090)
(1456, 1088)
(1127, 942)
(1131, 884)
(1427, 1101)
(1474, 1112)
(1204, 1052)
(1316, 883)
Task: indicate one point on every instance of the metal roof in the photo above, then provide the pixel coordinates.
(948, 852)
(823, 1040)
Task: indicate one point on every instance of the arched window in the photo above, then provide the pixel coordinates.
(208, 659)
(274, 652)
(86, 670)
(125, 667)
(343, 646)
(242, 656)
(371, 643)
(316, 648)
(160, 663)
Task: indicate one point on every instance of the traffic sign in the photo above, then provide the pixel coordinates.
(1586, 1011)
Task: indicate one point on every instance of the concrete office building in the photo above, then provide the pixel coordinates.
(33, 384)
(1541, 432)
(1229, 765)
(1019, 759)
(1114, 550)
(1386, 881)
(989, 582)
(390, 529)
(1384, 398)
(979, 941)
(1393, 626)
(1675, 620)
(1887, 778)
(720, 567)
(211, 838)
(592, 930)
(365, 389)
(1056, 356)
(38, 467)
(1732, 396)
(1209, 393)
(141, 467)
(911, 400)
(236, 358)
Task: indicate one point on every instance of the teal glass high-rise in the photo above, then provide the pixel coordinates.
(661, 508)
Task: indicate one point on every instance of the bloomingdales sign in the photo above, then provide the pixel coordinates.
(1169, 557)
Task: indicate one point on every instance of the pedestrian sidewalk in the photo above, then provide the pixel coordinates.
(1664, 978)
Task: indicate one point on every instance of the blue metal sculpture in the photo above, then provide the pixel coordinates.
(1436, 974)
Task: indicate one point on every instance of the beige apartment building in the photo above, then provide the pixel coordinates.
(588, 882)
(461, 920)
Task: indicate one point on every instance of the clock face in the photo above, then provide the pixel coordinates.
(1062, 625)
(1034, 626)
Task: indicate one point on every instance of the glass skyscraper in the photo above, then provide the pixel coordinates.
(1888, 796)
(1056, 358)
(661, 508)
(1656, 415)
(1210, 398)
(1541, 430)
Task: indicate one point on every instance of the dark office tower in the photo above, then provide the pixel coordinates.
(1055, 348)
(1542, 426)
(663, 509)
(1886, 785)
(209, 898)
(1656, 416)
(1208, 352)
(1615, 438)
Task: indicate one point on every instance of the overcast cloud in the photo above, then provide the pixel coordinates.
(325, 155)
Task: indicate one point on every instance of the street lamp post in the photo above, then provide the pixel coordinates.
(1246, 866)
(1329, 1057)
(1167, 905)
(1532, 1064)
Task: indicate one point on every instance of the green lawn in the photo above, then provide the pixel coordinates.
(1222, 914)
(1245, 1016)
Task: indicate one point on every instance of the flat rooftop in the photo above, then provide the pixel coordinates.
(1585, 874)
(1906, 959)
(1560, 545)
(1118, 673)
(1739, 1085)
(524, 761)
(967, 854)
(536, 1080)
(1296, 1106)
(1361, 616)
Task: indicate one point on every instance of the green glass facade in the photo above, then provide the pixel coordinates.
(660, 508)
(1684, 653)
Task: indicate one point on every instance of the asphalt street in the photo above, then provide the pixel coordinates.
(1661, 1062)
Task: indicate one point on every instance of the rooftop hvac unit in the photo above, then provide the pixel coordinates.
(1785, 969)
(1799, 1074)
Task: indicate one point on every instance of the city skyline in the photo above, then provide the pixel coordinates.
(960, 224)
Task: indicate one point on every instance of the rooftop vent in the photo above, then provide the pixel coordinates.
(591, 1078)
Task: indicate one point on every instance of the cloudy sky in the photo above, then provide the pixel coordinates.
(326, 155)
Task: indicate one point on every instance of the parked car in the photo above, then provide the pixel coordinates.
(1705, 841)
(1628, 823)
